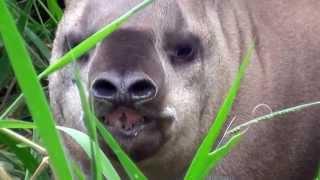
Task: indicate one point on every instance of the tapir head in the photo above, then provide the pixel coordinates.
(155, 83)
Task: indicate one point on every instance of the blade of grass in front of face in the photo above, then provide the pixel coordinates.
(82, 48)
(84, 141)
(15, 124)
(89, 122)
(129, 166)
(77, 171)
(197, 165)
(272, 115)
(34, 95)
(215, 156)
(90, 42)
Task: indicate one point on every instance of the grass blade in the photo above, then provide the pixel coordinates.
(21, 139)
(84, 141)
(15, 124)
(38, 43)
(272, 115)
(23, 19)
(49, 12)
(195, 169)
(215, 156)
(78, 172)
(90, 42)
(89, 121)
(17, 102)
(55, 9)
(130, 167)
(34, 95)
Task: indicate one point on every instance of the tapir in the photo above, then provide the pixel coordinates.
(158, 82)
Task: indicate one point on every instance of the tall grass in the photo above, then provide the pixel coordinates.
(34, 96)
(204, 159)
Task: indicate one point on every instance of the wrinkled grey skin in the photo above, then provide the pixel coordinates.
(284, 72)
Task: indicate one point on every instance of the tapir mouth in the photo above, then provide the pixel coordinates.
(140, 134)
(127, 122)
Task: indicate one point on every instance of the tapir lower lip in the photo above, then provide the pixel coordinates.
(126, 122)
(144, 141)
(147, 125)
(133, 132)
(140, 144)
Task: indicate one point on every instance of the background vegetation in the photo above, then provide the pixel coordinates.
(37, 27)
(36, 24)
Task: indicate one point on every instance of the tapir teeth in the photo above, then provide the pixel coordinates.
(123, 117)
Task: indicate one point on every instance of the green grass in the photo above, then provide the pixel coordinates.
(90, 124)
(32, 90)
(204, 159)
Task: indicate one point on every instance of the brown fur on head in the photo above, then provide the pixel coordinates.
(158, 81)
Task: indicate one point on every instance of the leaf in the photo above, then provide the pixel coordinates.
(84, 141)
(34, 96)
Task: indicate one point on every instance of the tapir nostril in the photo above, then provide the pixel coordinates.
(104, 89)
(127, 90)
(142, 90)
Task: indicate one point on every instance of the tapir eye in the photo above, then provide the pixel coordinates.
(183, 50)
